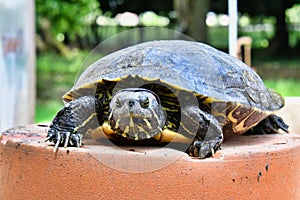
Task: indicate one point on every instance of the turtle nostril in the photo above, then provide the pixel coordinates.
(131, 103)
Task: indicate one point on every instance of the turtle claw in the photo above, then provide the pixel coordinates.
(67, 139)
(55, 149)
(76, 140)
(204, 149)
(64, 139)
(52, 136)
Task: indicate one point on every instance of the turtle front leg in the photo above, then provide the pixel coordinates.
(73, 121)
(209, 134)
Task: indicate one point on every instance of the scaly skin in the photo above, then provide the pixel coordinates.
(200, 128)
(73, 121)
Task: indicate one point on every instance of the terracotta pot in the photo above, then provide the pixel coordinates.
(247, 167)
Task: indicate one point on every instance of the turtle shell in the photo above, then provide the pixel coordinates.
(189, 66)
(184, 65)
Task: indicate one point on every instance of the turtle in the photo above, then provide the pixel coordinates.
(167, 91)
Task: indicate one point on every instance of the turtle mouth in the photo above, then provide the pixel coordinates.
(136, 116)
(136, 127)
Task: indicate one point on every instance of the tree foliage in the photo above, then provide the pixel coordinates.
(279, 44)
(62, 24)
(64, 20)
(119, 6)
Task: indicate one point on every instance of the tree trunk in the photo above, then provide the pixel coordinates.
(280, 43)
(192, 18)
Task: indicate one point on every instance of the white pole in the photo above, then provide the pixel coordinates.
(17, 63)
(233, 22)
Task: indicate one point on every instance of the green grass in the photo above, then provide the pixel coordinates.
(280, 74)
(55, 75)
(45, 111)
(285, 87)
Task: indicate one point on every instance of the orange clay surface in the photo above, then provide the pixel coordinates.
(247, 167)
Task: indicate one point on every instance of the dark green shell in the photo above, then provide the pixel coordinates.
(184, 65)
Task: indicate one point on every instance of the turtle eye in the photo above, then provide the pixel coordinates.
(144, 102)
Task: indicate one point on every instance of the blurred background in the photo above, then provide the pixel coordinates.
(66, 31)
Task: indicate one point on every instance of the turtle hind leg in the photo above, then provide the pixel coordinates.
(270, 125)
(209, 135)
(73, 121)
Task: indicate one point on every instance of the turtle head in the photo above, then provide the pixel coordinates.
(136, 113)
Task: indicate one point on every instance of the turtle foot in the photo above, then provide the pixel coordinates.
(63, 138)
(270, 125)
(203, 148)
(73, 121)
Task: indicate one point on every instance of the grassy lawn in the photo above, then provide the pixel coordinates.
(281, 74)
(45, 111)
(56, 75)
(286, 87)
